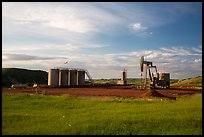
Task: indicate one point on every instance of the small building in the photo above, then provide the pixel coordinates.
(164, 80)
(121, 82)
(19, 86)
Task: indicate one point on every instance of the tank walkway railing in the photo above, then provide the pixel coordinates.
(88, 75)
(64, 68)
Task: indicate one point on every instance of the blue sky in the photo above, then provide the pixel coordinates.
(104, 37)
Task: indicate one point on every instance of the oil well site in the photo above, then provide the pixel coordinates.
(97, 68)
(65, 80)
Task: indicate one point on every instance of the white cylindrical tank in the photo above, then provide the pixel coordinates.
(63, 77)
(73, 77)
(53, 77)
(81, 77)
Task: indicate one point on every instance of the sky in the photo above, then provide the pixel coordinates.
(103, 37)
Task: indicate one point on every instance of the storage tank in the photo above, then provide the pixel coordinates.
(53, 77)
(63, 77)
(123, 80)
(81, 77)
(123, 76)
(73, 76)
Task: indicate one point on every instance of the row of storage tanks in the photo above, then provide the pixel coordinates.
(65, 77)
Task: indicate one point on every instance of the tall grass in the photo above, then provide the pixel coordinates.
(37, 114)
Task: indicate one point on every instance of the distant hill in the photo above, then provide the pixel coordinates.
(23, 76)
(194, 81)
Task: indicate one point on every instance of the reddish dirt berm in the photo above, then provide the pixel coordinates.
(105, 92)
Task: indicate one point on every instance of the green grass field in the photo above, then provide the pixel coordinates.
(136, 81)
(40, 114)
(195, 81)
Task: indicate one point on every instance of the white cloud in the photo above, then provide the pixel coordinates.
(71, 22)
(109, 65)
(197, 49)
(86, 18)
(179, 51)
(26, 57)
(197, 60)
(139, 30)
(47, 49)
(73, 17)
(71, 47)
(153, 55)
(138, 26)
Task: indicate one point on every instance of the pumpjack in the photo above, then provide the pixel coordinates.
(156, 79)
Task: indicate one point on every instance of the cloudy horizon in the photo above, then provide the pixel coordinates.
(103, 38)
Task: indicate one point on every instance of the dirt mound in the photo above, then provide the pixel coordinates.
(154, 93)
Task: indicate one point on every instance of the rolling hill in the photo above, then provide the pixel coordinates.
(194, 81)
(23, 76)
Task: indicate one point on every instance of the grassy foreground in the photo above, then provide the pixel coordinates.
(38, 114)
